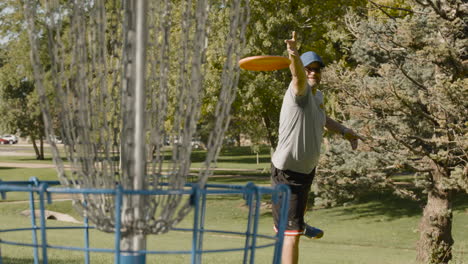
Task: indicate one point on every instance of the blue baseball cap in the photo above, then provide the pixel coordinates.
(309, 57)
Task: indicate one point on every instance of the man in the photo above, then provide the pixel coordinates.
(302, 122)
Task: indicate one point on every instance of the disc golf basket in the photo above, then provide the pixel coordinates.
(42, 234)
(116, 81)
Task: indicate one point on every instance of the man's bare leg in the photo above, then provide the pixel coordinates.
(290, 250)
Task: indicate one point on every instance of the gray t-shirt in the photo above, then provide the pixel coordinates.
(302, 121)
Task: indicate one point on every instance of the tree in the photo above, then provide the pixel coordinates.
(409, 88)
(22, 114)
(19, 108)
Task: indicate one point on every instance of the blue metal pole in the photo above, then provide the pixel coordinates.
(282, 196)
(133, 259)
(86, 238)
(255, 225)
(249, 188)
(2, 195)
(201, 224)
(43, 187)
(196, 195)
(33, 225)
(118, 220)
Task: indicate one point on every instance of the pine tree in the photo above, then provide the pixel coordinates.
(410, 91)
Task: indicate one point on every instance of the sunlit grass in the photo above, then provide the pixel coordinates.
(380, 228)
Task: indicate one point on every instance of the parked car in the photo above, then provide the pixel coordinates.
(12, 139)
(197, 144)
(4, 141)
(55, 139)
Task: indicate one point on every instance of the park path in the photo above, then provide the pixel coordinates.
(51, 166)
(28, 165)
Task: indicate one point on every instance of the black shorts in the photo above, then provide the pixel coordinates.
(299, 183)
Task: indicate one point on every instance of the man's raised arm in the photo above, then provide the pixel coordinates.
(299, 79)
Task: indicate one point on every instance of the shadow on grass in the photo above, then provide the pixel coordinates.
(460, 201)
(266, 214)
(250, 173)
(7, 168)
(245, 160)
(230, 157)
(383, 203)
(228, 154)
(238, 179)
(230, 197)
(198, 156)
(32, 158)
(393, 207)
(31, 260)
(242, 151)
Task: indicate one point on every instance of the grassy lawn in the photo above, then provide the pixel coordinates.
(362, 233)
(230, 158)
(380, 228)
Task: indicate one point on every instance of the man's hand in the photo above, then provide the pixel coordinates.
(291, 44)
(299, 78)
(352, 137)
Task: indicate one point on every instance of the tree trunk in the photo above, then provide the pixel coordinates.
(41, 149)
(271, 138)
(435, 242)
(36, 149)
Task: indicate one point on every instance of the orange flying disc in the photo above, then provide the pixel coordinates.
(264, 63)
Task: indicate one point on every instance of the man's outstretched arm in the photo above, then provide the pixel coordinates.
(299, 78)
(347, 133)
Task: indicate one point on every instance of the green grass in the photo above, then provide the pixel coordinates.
(24, 174)
(236, 158)
(230, 157)
(380, 228)
(26, 159)
(24, 154)
(353, 234)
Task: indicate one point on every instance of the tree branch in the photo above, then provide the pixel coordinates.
(436, 6)
(380, 7)
(400, 67)
(410, 148)
(421, 111)
(395, 8)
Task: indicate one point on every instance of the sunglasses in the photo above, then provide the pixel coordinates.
(313, 69)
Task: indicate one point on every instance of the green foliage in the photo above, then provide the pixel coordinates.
(409, 88)
(409, 93)
(346, 176)
(260, 93)
(19, 108)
